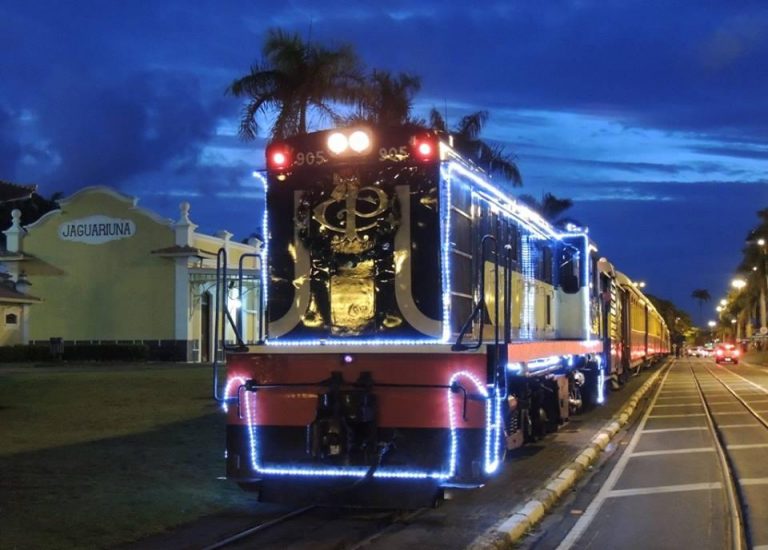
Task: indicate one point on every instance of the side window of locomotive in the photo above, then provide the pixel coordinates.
(546, 258)
(569, 269)
(513, 238)
(594, 273)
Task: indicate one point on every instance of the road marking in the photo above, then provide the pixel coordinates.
(673, 430)
(676, 415)
(742, 426)
(678, 405)
(665, 489)
(748, 381)
(748, 446)
(675, 451)
(594, 507)
(754, 481)
(729, 413)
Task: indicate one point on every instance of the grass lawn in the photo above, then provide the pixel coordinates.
(97, 455)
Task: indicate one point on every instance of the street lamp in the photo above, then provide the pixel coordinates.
(719, 309)
(738, 284)
(723, 302)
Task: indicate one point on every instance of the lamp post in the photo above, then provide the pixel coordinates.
(712, 325)
(763, 288)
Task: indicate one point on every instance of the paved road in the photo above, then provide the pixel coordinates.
(666, 486)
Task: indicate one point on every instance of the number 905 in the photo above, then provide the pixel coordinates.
(310, 158)
(393, 153)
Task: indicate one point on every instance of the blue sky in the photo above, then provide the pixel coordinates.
(651, 115)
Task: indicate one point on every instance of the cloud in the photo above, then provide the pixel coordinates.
(735, 152)
(10, 150)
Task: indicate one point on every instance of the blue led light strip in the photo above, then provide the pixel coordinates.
(445, 247)
(239, 380)
(511, 207)
(493, 431)
(528, 307)
(264, 255)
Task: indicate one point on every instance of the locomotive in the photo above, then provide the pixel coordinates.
(418, 323)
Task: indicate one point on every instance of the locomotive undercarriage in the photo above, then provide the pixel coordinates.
(344, 434)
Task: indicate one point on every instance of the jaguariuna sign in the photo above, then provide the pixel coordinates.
(97, 230)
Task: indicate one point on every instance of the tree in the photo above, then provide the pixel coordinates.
(551, 208)
(296, 78)
(701, 295)
(466, 140)
(387, 99)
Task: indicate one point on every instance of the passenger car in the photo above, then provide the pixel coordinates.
(727, 353)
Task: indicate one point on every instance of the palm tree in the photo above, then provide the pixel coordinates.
(387, 99)
(466, 140)
(294, 78)
(701, 295)
(550, 208)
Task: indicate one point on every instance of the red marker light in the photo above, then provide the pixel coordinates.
(424, 147)
(279, 157)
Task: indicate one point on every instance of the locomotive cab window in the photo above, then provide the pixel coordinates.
(569, 269)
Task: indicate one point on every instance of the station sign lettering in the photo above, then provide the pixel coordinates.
(96, 230)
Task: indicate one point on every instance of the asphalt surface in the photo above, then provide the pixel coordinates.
(665, 486)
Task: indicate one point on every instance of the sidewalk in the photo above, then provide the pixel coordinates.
(756, 358)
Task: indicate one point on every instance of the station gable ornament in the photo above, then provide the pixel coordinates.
(96, 230)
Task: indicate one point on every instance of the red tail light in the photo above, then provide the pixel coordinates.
(425, 147)
(735, 353)
(279, 157)
(719, 353)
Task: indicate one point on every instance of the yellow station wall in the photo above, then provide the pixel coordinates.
(117, 290)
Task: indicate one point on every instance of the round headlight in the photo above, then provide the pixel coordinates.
(337, 143)
(359, 141)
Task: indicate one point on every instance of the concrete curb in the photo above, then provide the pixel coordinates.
(505, 533)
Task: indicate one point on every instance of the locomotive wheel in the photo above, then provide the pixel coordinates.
(538, 424)
(575, 394)
(526, 424)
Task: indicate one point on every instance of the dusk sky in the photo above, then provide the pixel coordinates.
(651, 115)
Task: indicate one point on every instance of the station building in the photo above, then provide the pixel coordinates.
(102, 270)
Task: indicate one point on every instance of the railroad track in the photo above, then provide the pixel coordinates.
(740, 445)
(692, 473)
(261, 527)
(378, 524)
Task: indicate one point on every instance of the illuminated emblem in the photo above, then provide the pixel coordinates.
(349, 212)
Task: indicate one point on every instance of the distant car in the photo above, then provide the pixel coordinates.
(700, 351)
(727, 353)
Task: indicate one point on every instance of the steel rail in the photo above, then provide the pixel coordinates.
(397, 520)
(746, 405)
(730, 480)
(258, 528)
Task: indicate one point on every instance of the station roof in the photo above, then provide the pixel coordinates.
(13, 192)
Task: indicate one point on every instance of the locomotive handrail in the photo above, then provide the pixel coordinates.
(222, 314)
(250, 385)
(240, 295)
(459, 345)
(456, 387)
